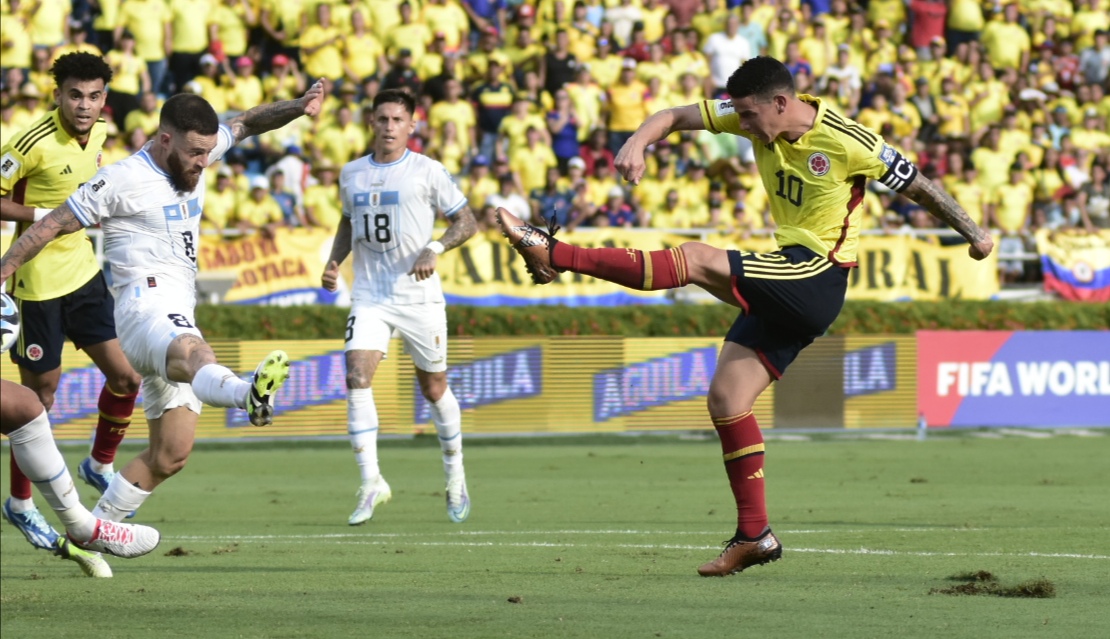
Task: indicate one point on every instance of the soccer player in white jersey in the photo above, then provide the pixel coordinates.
(149, 208)
(23, 419)
(390, 199)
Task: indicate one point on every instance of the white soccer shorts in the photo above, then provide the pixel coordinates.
(148, 318)
(423, 329)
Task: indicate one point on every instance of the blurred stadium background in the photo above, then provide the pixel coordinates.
(1005, 103)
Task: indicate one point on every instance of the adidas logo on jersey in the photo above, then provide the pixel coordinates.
(67, 171)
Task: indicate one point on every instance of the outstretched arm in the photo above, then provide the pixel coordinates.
(926, 193)
(630, 161)
(463, 226)
(267, 117)
(61, 221)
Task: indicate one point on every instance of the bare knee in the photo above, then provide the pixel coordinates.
(168, 462)
(357, 379)
(705, 264)
(432, 386)
(46, 396)
(125, 383)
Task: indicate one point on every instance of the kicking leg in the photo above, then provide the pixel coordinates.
(190, 359)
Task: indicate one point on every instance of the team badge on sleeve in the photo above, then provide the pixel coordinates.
(724, 107)
(9, 165)
(819, 164)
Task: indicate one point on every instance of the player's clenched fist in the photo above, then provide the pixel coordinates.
(630, 162)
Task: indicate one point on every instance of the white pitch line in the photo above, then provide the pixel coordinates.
(474, 533)
(302, 539)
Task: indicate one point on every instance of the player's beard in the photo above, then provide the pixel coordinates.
(183, 179)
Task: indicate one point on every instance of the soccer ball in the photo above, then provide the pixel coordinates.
(9, 322)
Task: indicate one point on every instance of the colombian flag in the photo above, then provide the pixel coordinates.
(1076, 265)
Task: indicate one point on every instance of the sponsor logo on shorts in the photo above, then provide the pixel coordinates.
(819, 164)
(9, 165)
(34, 352)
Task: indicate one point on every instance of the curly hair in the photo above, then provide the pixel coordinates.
(762, 77)
(82, 67)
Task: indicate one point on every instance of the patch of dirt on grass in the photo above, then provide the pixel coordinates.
(984, 582)
(226, 549)
(178, 552)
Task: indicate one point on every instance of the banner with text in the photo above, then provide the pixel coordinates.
(902, 267)
(283, 270)
(1002, 378)
(1076, 265)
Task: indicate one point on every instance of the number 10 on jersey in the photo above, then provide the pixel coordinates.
(375, 219)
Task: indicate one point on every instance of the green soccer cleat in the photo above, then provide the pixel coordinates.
(268, 378)
(91, 563)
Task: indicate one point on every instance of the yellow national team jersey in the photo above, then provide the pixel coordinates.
(40, 167)
(817, 183)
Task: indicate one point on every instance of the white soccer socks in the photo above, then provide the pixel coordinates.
(447, 417)
(120, 499)
(362, 427)
(38, 456)
(216, 385)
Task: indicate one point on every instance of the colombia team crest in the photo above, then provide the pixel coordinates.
(819, 164)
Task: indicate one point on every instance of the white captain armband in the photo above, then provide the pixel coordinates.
(900, 171)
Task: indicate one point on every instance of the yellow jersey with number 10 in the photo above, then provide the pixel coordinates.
(40, 167)
(816, 183)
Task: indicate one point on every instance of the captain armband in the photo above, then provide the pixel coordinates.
(900, 171)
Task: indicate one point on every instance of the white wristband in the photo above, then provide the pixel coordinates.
(436, 247)
(41, 213)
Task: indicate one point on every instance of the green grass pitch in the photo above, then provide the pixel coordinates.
(597, 538)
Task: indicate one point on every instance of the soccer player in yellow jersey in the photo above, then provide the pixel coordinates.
(814, 164)
(62, 293)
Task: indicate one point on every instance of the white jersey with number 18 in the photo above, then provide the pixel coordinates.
(150, 228)
(392, 208)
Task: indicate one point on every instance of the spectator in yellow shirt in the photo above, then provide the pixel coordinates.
(219, 203)
(144, 118)
(343, 140)
(627, 101)
(363, 53)
(258, 211)
(1007, 42)
(513, 128)
(245, 91)
(285, 81)
(455, 109)
(1011, 203)
(229, 26)
(320, 47)
(188, 38)
(532, 160)
(480, 184)
(969, 193)
(150, 22)
(283, 21)
(322, 208)
(211, 85)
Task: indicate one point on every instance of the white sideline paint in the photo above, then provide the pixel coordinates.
(369, 540)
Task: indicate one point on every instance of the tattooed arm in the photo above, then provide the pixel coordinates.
(267, 117)
(61, 221)
(926, 193)
(463, 226)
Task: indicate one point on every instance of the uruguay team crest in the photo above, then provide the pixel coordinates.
(819, 164)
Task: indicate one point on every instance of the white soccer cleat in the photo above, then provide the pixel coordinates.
(370, 494)
(458, 500)
(122, 540)
(91, 563)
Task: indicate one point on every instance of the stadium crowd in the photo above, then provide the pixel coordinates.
(1006, 102)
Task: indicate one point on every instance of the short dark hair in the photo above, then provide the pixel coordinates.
(396, 96)
(82, 67)
(189, 113)
(761, 77)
